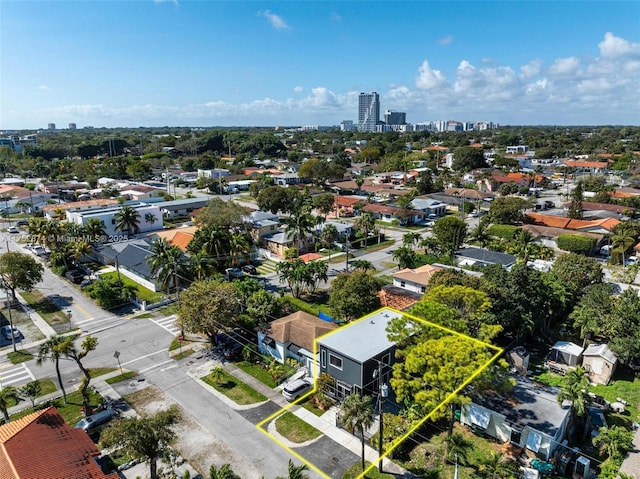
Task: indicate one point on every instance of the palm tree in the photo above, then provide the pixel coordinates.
(480, 233)
(622, 239)
(362, 265)
(150, 218)
(493, 466)
(366, 223)
(201, 266)
(328, 236)
(31, 390)
(299, 226)
(296, 472)
(8, 396)
(225, 472)
(357, 413)
(411, 239)
(574, 387)
(523, 244)
(167, 262)
(127, 220)
(95, 229)
(239, 247)
(457, 446)
(405, 257)
(217, 240)
(52, 349)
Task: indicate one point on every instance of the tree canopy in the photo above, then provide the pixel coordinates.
(354, 294)
(19, 271)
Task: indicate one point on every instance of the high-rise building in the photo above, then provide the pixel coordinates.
(368, 111)
(392, 117)
(72, 126)
(51, 126)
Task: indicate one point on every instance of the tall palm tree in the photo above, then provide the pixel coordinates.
(299, 226)
(328, 236)
(622, 239)
(357, 413)
(411, 239)
(523, 244)
(96, 230)
(8, 395)
(201, 265)
(493, 466)
(480, 233)
(574, 387)
(150, 218)
(167, 262)
(52, 349)
(366, 223)
(127, 220)
(217, 241)
(239, 247)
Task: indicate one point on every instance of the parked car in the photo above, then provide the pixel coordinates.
(296, 389)
(233, 350)
(95, 422)
(86, 282)
(234, 272)
(22, 223)
(249, 268)
(75, 276)
(7, 332)
(39, 251)
(13, 229)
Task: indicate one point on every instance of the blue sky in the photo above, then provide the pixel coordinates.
(235, 63)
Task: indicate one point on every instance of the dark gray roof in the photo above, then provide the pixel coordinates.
(530, 405)
(486, 256)
(131, 255)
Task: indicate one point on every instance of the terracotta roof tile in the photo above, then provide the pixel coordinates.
(421, 275)
(69, 453)
(571, 224)
(299, 328)
(80, 204)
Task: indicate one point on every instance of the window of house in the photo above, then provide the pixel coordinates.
(403, 284)
(335, 361)
(423, 289)
(323, 359)
(113, 221)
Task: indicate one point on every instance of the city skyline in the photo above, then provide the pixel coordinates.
(201, 64)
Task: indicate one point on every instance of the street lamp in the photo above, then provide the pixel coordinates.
(69, 318)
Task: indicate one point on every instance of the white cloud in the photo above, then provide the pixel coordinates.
(446, 40)
(565, 66)
(429, 78)
(43, 88)
(276, 21)
(614, 47)
(531, 69)
(298, 89)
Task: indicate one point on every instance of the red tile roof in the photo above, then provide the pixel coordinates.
(586, 164)
(80, 204)
(346, 200)
(42, 446)
(570, 224)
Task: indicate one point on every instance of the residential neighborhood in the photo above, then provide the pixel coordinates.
(418, 304)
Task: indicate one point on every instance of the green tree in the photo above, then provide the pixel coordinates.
(615, 441)
(450, 233)
(523, 245)
(168, 263)
(31, 390)
(353, 295)
(68, 348)
(208, 307)
(264, 306)
(8, 397)
(324, 203)
(127, 220)
(356, 413)
(201, 265)
(494, 466)
(217, 374)
(574, 387)
(575, 205)
(52, 349)
(225, 472)
(480, 234)
(508, 210)
(296, 472)
(19, 271)
(592, 313)
(406, 257)
(300, 225)
(362, 265)
(625, 340)
(148, 437)
(467, 158)
(577, 272)
(224, 214)
(365, 224)
(96, 230)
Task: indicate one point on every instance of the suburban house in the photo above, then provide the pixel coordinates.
(389, 214)
(277, 243)
(530, 417)
(261, 223)
(180, 237)
(548, 235)
(600, 362)
(149, 217)
(482, 257)
(398, 298)
(42, 444)
(602, 226)
(344, 205)
(51, 211)
(415, 280)
(429, 206)
(129, 259)
(353, 352)
(139, 192)
(182, 207)
(293, 336)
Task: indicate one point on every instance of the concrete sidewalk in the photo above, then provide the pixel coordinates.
(327, 423)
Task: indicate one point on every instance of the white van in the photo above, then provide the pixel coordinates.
(605, 250)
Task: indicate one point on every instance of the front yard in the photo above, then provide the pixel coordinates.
(233, 388)
(143, 294)
(46, 308)
(295, 429)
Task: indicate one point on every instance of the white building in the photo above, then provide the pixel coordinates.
(149, 217)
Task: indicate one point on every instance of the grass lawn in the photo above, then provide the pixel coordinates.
(47, 386)
(143, 293)
(310, 406)
(307, 307)
(19, 356)
(95, 372)
(356, 470)
(234, 389)
(258, 372)
(143, 316)
(548, 378)
(46, 308)
(168, 310)
(121, 377)
(295, 429)
(72, 411)
(176, 343)
(377, 247)
(185, 353)
(629, 390)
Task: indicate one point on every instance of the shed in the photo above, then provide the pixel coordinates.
(600, 362)
(565, 353)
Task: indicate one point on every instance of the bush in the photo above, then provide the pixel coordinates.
(576, 243)
(507, 232)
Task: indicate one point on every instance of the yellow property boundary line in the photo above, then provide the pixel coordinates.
(399, 440)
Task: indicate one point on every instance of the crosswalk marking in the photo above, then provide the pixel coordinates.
(16, 375)
(168, 323)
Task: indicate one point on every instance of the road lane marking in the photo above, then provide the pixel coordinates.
(145, 356)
